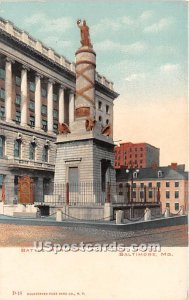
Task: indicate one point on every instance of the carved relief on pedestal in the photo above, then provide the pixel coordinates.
(90, 124)
(63, 128)
(107, 130)
(81, 112)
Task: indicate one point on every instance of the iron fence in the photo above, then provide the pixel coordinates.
(83, 193)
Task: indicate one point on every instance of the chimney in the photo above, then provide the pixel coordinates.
(154, 165)
(174, 166)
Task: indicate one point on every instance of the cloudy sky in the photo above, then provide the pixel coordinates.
(140, 45)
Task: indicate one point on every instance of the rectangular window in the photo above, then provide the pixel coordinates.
(176, 184)
(167, 193)
(44, 110)
(18, 99)
(44, 125)
(18, 81)
(167, 204)
(2, 111)
(55, 97)
(2, 146)
(134, 185)
(167, 184)
(32, 86)
(43, 92)
(18, 116)
(32, 105)
(176, 206)
(134, 194)
(176, 194)
(17, 149)
(1, 180)
(107, 109)
(158, 184)
(141, 195)
(2, 74)
(55, 114)
(45, 154)
(150, 194)
(150, 184)
(32, 121)
(142, 185)
(99, 105)
(55, 126)
(2, 93)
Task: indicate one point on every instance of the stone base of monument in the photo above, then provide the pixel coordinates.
(167, 213)
(19, 210)
(147, 214)
(108, 212)
(119, 217)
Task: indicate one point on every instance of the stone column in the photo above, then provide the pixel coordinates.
(61, 105)
(71, 107)
(24, 96)
(50, 105)
(38, 101)
(8, 89)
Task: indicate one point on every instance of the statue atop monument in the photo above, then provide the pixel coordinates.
(85, 37)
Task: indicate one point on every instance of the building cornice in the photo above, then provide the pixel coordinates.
(31, 52)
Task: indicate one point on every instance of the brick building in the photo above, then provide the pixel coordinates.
(172, 182)
(141, 155)
(37, 92)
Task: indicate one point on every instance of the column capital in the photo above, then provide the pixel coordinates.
(25, 67)
(9, 59)
(50, 80)
(37, 74)
(62, 86)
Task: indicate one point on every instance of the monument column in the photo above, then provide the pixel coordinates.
(61, 105)
(38, 101)
(24, 96)
(50, 105)
(8, 89)
(71, 106)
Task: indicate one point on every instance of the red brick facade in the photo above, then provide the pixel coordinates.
(141, 155)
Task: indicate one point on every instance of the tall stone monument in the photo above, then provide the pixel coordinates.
(85, 145)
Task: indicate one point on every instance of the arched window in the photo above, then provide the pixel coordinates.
(32, 150)
(17, 148)
(2, 146)
(45, 154)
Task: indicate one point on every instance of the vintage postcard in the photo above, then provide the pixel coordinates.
(93, 150)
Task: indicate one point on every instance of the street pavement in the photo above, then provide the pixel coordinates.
(21, 235)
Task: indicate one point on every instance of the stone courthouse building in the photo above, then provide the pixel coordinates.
(37, 94)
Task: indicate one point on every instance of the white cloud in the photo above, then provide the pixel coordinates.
(105, 24)
(135, 77)
(134, 48)
(161, 25)
(47, 24)
(146, 15)
(167, 68)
